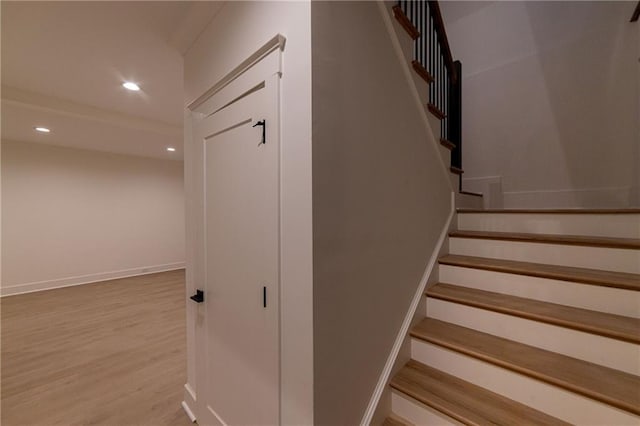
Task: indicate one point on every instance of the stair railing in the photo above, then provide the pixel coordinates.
(433, 61)
(636, 13)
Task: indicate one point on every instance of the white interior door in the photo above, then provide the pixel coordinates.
(239, 365)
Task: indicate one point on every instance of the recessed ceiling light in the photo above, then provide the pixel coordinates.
(129, 85)
(171, 149)
(42, 129)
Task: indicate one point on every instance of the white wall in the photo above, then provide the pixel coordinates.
(550, 100)
(381, 198)
(236, 32)
(73, 216)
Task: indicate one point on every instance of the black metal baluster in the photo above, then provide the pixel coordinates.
(436, 101)
(442, 81)
(417, 24)
(427, 33)
(442, 71)
(440, 107)
(446, 105)
(413, 12)
(445, 120)
(447, 86)
(431, 58)
(418, 42)
(447, 101)
(435, 70)
(439, 75)
(407, 12)
(456, 116)
(425, 42)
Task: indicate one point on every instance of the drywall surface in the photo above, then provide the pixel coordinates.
(72, 216)
(550, 100)
(235, 33)
(380, 201)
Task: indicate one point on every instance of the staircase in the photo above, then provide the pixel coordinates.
(534, 320)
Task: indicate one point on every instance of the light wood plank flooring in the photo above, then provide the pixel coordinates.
(110, 353)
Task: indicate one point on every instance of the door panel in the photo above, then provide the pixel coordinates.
(241, 223)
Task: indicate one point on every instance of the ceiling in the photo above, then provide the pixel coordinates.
(63, 65)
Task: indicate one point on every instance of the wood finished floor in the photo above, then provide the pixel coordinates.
(110, 353)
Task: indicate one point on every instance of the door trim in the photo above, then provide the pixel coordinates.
(263, 65)
(277, 42)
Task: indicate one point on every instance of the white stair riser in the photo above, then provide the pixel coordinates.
(550, 399)
(589, 347)
(608, 259)
(593, 297)
(417, 413)
(601, 225)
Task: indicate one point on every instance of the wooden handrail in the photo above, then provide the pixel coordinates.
(636, 13)
(442, 38)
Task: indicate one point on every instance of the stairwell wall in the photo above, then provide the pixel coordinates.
(550, 101)
(380, 201)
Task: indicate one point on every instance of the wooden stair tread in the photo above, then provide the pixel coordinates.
(464, 401)
(475, 194)
(576, 240)
(394, 421)
(603, 324)
(422, 71)
(405, 22)
(552, 211)
(447, 144)
(564, 273)
(436, 111)
(613, 387)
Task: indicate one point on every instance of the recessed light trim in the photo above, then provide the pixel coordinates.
(130, 85)
(42, 129)
(171, 149)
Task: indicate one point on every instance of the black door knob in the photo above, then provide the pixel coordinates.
(198, 297)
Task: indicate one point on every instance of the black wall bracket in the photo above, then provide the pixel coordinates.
(198, 297)
(262, 123)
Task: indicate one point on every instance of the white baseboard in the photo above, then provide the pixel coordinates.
(188, 402)
(402, 333)
(87, 279)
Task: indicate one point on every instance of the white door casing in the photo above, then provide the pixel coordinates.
(238, 197)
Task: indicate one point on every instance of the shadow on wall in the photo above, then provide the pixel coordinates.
(550, 100)
(591, 77)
